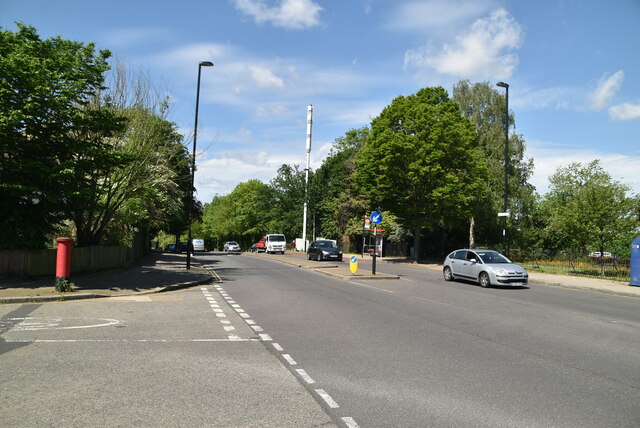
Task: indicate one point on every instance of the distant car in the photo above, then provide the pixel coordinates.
(231, 247)
(485, 267)
(171, 248)
(324, 250)
(596, 255)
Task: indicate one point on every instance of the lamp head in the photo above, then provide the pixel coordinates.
(502, 84)
(206, 64)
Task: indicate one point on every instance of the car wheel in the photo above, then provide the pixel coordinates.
(448, 275)
(484, 280)
(319, 257)
(308, 256)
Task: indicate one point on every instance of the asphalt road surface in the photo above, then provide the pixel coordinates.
(420, 351)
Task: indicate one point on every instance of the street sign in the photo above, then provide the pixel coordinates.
(503, 214)
(353, 264)
(376, 217)
(367, 223)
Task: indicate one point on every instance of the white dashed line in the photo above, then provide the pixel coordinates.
(350, 423)
(327, 398)
(303, 374)
(265, 337)
(257, 328)
(289, 359)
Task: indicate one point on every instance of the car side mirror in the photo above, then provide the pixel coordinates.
(473, 261)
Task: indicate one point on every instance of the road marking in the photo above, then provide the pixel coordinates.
(237, 339)
(229, 327)
(327, 398)
(289, 359)
(257, 328)
(371, 286)
(350, 423)
(277, 347)
(303, 374)
(265, 337)
(42, 323)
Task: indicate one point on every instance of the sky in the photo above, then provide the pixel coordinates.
(572, 65)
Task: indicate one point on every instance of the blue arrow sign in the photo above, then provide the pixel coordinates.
(376, 217)
(353, 259)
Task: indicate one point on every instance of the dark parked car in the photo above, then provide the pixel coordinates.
(324, 250)
(171, 248)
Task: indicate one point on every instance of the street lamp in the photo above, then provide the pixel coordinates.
(506, 164)
(193, 162)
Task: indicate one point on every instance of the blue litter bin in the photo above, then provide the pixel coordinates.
(635, 262)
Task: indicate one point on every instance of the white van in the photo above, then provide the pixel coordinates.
(275, 243)
(198, 245)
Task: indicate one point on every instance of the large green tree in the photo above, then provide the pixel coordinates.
(422, 162)
(335, 201)
(588, 210)
(484, 106)
(45, 88)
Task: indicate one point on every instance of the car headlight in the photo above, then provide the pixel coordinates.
(500, 272)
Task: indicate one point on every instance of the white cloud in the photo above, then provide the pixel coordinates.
(605, 91)
(292, 14)
(419, 16)
(625, 111)
(265, 78)
(548, 157)
(483, 52)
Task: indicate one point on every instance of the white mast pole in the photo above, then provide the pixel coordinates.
(306, 183)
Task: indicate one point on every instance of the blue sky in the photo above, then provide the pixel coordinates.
(572, 66)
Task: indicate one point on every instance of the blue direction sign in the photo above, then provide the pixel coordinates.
(376, 217)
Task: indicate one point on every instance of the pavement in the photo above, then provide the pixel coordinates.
(159, 272)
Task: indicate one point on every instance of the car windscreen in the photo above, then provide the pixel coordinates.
(276, 238)
(327, 244)
(232, 243)
(493, 257)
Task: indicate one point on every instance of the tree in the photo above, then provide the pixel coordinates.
(244, 215)
(587, 209)
(484, 106)
(45, 86)
(288, 191)
(421, 162)
(147, 182)
(334, 198)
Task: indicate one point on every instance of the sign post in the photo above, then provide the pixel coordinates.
(376, 219)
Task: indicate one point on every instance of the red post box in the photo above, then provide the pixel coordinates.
(63, 259)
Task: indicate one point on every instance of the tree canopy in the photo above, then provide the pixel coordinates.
(422, 162)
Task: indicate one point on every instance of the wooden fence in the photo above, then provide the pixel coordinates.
(29, 263)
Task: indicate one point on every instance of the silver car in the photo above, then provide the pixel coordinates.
(485, 267)
(231, 247)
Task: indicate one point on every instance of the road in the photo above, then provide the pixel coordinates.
(422, 352)
(276, 345)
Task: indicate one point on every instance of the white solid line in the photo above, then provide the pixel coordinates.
(305, 376)
(350, 423)
(234, 338)
(277, 347)
(327, 398)
(289, 359)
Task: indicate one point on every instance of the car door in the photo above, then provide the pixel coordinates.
(311, 251)
(469, 265)
(457, 260)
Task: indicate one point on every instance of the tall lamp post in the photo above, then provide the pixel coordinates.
(193, 163)
(506, 165)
